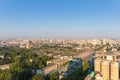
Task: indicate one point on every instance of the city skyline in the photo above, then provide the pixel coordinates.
(60, 19)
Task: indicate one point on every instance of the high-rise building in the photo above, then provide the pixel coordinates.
(114, 70)
(105, 70)
(107, 66)
(28, 44)
(97, 65)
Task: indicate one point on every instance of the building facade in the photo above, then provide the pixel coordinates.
(107, 66)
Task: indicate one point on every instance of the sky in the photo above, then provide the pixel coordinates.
(60, 18)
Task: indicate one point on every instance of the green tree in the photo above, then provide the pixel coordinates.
(8, 76)
(54, 76)
(85, 65)
(38, 77)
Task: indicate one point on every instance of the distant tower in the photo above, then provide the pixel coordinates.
(28, 44)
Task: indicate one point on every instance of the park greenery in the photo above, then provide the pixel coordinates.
(24, 62)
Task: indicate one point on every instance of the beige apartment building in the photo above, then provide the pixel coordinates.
(49, 68)
(105, 70)
(107, 66)
(97, 64)
(114, 71)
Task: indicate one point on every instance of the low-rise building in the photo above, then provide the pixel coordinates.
(4, 67)
(49, 68)
(2, 56)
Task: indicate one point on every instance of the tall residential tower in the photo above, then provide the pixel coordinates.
(107, 67)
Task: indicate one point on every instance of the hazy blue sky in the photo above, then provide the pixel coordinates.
(60, 18)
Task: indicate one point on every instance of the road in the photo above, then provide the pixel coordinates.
(85, 54)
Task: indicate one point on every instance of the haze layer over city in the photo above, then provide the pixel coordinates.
(59, 40)
(60, 19)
